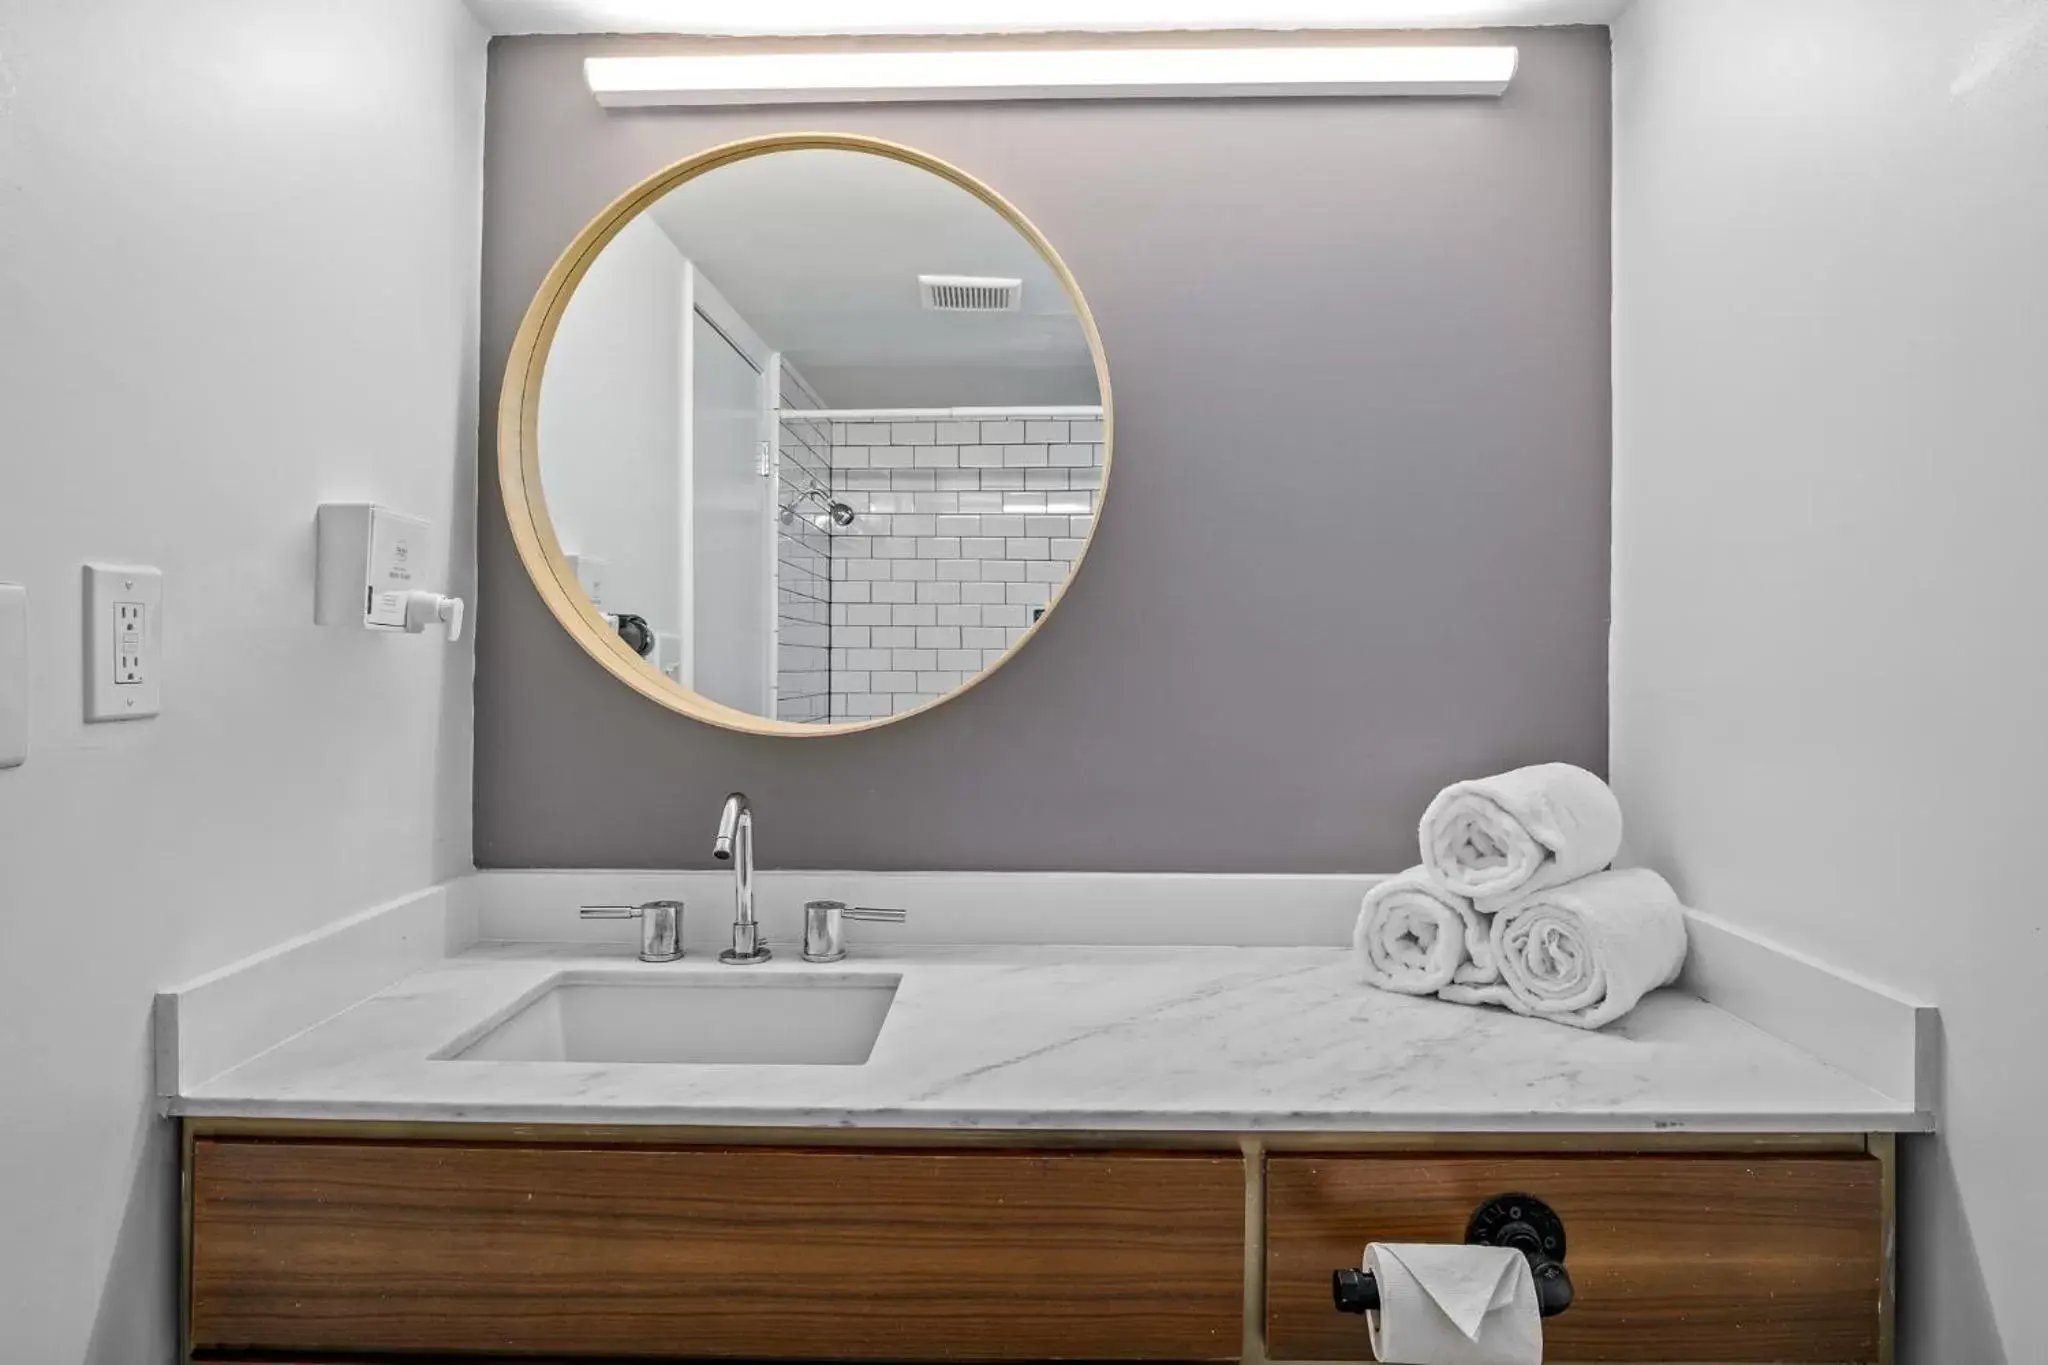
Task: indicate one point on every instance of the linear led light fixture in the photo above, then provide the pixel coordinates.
(1049, 74)
(1081, 410)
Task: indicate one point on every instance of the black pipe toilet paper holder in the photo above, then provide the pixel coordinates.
(1520, 1221)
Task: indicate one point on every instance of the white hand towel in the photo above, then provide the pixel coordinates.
(1453, 1305)
(1416, 938)
(1499, 838)
(1584, 953)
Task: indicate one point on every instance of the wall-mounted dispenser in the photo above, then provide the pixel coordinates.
(369, 562)
(591, 573)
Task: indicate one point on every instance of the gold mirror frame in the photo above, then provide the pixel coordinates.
(519, 446)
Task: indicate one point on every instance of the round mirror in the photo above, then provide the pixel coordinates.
(805, 434)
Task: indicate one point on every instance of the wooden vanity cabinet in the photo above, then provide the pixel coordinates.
(342, 1243)
(1706, 1257)
(665, 1252)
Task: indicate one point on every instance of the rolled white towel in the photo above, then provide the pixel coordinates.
(1584, 953)
(1416, 938)
(1496, 839)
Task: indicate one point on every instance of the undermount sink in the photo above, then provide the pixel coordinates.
(615, 1017)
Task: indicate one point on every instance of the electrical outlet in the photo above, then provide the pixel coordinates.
(128, 627)
(123, 642)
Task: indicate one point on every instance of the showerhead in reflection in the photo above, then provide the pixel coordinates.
(839, 512)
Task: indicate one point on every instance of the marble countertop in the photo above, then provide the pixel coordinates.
(1073, 1038)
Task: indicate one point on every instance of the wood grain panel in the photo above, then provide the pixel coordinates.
(591, 1251)
(1675, 1258)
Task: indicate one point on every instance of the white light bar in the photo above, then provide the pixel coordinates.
(1053, 74)
(1085, 410)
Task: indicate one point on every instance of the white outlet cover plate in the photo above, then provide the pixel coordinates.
(123, 657)
(13, 675)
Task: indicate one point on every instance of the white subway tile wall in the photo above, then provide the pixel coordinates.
(803, 570)
(962, 530)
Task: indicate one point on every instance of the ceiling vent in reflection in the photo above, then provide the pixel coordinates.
(969, 293)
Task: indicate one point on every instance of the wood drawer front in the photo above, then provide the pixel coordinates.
(1674, 1258)
(749, 1252)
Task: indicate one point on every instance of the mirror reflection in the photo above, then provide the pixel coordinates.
(820, 434)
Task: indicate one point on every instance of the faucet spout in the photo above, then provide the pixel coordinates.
(734, 843)
(735, 810)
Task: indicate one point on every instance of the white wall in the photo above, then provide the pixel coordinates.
(238, 276)
(611, 422)
(1830, 653)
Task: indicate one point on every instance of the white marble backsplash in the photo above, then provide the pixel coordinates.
(539, 906)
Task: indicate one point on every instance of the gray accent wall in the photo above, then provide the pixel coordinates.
(1355, 542)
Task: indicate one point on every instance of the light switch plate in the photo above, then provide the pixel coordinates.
(13, 675)
(123, 641)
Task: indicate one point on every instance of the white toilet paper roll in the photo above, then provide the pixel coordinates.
(1453, 1305)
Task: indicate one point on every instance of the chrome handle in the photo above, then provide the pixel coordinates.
(627, 911)
(610, 912)
(661, 926)
(825, 928)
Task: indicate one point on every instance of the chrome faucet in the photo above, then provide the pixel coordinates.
(735, 844)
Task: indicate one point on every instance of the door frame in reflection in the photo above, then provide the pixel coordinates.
(703, 303)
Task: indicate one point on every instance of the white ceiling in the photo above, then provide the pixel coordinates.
(790, 17)
(820, 251)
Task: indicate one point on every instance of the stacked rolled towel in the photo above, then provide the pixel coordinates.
(1583, 953)
(1498, 838)
(1511, 905)
(1417, 938)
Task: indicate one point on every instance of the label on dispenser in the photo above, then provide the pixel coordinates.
(396, 542)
